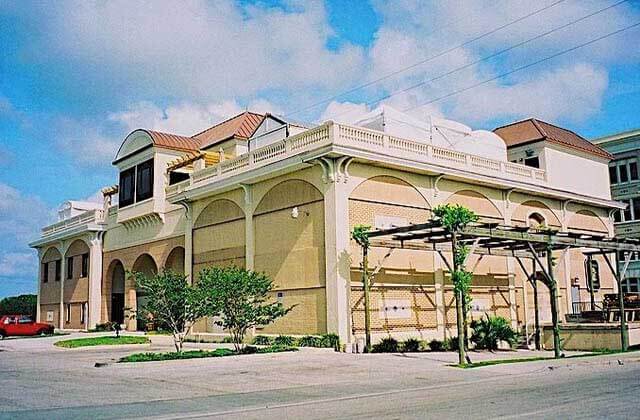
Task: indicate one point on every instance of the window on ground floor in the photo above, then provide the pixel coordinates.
(69, 268)
(83, 312)
(58, 269)
(68, 313)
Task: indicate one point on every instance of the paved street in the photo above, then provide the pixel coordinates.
(38, 380)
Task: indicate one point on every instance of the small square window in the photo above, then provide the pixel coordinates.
(613, 174)
(633, 171)
(624, 175)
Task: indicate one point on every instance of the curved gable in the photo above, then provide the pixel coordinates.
(136, 140)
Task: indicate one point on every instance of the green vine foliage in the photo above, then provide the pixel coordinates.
(359, 234)
(453, 219)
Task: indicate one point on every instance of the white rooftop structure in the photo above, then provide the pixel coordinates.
(439, 132)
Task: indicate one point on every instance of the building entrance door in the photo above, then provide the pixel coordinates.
(117, 308)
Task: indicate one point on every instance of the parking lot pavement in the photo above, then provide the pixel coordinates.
(39, 380)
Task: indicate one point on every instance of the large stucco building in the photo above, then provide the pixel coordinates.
(273, 196)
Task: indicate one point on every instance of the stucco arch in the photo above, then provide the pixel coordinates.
(51, 254)
(289, 193)
(77, 247)
(175, 260)
(145, 264)
(587, 220)
(218, 211)
(115, 289)
(389, 189)
(478, 202)
(525, 209)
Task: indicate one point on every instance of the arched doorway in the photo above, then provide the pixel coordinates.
(117, 275)
(147, 266)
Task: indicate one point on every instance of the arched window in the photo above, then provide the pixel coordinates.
(536, 220)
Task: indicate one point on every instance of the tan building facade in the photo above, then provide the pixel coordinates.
(279, 198)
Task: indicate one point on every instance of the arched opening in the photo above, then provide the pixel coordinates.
(175, 260)
(117, 275)
(479, 203)
(536, 221)
(147, 266)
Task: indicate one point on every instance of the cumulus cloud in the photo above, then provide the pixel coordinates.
(196, 49)
(186, 118)
(21, 217)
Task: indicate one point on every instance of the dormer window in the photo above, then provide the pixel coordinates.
(127, 187)
(136, 184)
(144, 181)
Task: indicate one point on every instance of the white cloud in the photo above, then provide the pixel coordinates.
(199, 50)
(344, 112)
(185, 118)
(85, 141)
(18, 264)
(573, 93)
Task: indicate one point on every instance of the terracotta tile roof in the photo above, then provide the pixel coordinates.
(242, 126)
(174, 141)
(533, 130)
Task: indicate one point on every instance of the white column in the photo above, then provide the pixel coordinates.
(249, 232)
(513, 304)
(338, 265)
(188, 241)
(95, 281)
(63, 274)
(439, 295)
(40, 273)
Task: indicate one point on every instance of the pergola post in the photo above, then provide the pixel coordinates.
(459, 302)
(624, 334)
(553, 291)
(365, 286)
(592, 297)
(534, 284)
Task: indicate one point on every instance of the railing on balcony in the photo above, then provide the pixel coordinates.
(89, 216)
(585, 306)
(369, 141)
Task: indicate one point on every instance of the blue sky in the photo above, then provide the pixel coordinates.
(76, 77)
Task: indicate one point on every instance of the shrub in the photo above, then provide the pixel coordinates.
(107, 326)
(489, 331)
(227, 339)
(387, 345)
(310, 341)
(262, 340)
(450, 344)
(436, 345)
(411, 345)
(284, 340)
(331, 341)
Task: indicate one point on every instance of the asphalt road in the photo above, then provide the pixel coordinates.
(39, 381)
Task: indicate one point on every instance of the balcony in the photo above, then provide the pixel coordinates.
(90, 217)
(367, 143)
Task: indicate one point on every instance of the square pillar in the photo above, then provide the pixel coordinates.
(439, 296)
(337, 260)
(188, 241)
(63, 275)
(249, 232)
(38, 312)
(95, 282)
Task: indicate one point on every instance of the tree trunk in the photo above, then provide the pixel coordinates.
(365, 286)
(459, 300)
(553, 291)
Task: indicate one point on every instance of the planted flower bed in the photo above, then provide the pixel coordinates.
(200, 354)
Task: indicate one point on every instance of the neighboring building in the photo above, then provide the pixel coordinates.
(268, 195)
(625, 187)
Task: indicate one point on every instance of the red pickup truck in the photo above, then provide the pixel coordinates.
(11, 325)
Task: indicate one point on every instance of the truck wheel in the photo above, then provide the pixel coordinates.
(2, 335)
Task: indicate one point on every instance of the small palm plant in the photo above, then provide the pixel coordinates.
(489, 331)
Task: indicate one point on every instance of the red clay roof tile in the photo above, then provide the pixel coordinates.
(532, 130)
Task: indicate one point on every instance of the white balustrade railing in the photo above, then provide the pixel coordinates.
(367, 140)
(89, 216)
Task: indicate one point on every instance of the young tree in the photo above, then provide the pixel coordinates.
(454, 218)
(172, 301)
(240, 298)
(359, 234)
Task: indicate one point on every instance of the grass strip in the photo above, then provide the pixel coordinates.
(538, 358)
(200, 354)
(107, 340)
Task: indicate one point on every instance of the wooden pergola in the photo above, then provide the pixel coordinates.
(521, 243)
